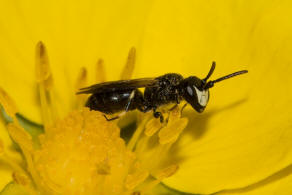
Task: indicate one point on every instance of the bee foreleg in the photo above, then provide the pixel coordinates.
(183, 108)
(158, 115)
(173, 107)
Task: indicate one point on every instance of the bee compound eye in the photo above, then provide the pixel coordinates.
(190, 91)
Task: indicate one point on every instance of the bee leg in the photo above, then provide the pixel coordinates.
(172, 108)
(130, 100)
(126, 108)
(177, 99)
(116, 117)
(158, 115)
(111, 119)
(183, 108)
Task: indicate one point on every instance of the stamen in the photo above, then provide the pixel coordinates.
(151, 148)
(171, 132)
(31, 169)
(1, 147)
(43, 71)
(137, 133)
(81, 82)
(135, 179)
(20, 136)
(167, 172)
(19, 175)
(152, 127)
(82, 79)
(21, 179)
(45, 83)
(4, 157)
(149, 185)
(100, 71)
(24, 140)
(24, 181)
(8, 104)
(130, 64)
(162, 174)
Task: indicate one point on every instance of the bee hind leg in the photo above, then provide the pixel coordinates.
(111, 119)
(126, 108)
(130, 100)
(115, 117)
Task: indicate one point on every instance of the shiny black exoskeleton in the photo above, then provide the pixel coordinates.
(124, 95)
(119, 100)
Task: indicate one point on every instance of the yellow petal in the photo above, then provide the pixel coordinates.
(245, 134)
(242, 136)
(280, 184)
(76, 35)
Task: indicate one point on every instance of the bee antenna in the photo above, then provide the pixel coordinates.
(210, 71)
(210, 84)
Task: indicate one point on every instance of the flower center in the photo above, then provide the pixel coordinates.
(83, 154)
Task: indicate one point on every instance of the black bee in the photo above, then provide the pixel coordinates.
(124, 95)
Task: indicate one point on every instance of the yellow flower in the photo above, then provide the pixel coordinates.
(84, 153)
(241, 144)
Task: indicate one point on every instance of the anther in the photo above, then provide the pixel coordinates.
(20, 178)
(7, 103)
(171, 132)
(81, 82)
(167, 172)
(135, 179)
(100, 71)
(20, 136)
(152, 127)
(81, 79)
(43, 71)
(129, 66)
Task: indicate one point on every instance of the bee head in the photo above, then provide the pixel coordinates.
(196, 91)
(195, 94)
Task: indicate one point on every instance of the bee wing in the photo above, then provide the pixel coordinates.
(119, 85)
